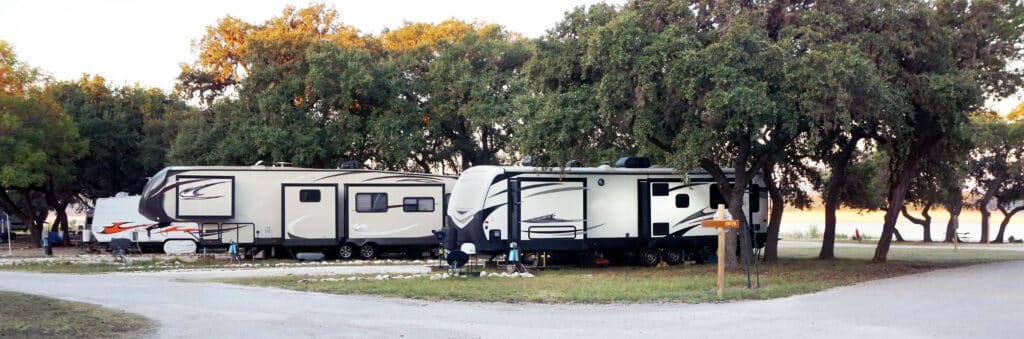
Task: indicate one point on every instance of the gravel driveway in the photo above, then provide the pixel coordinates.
(982, 301)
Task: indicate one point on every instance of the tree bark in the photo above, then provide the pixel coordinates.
(771, 247)
(993, 189)
(836, 180)
(925, 222)
(954, 221)
(728, 192)
(1007, 214)
(985, 216)
(897, 195)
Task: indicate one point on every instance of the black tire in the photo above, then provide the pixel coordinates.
(673, 256)
(457, 259)
(346, 251)
(648, 257)
(367, 251)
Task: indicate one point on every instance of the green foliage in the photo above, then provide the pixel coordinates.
(128, 130)
(38, 141)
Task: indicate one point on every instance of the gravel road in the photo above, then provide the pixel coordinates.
(982, 301)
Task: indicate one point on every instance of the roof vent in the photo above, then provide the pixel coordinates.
(633, 162)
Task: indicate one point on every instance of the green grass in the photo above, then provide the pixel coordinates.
(155, 263)
(31, 316)
(795, 273)
(138, 264)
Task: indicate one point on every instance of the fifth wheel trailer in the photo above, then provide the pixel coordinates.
(118, 217)
(650, 212)
(343, 212)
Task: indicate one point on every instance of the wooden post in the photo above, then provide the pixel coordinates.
(721, 224)
(721, 261)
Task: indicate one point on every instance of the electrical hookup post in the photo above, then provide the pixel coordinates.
(721, 224)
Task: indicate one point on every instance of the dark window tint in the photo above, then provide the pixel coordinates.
(716, 197)
(309, 196)
(659, 189)
(755, 198)
(418, 204)
(371, 202)
(682, 200)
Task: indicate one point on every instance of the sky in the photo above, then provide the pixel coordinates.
(143, 42)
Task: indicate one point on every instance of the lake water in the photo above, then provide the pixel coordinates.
(910, 231)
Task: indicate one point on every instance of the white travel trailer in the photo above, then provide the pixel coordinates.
(649, 212)
(343, 212)
(118, 217)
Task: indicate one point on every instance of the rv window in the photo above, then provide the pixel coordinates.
(659, 189)
(682, 200)
(309, 196)
(660, 228)
(418, 204)
(371, 202)
(716, 197)
(755, 198)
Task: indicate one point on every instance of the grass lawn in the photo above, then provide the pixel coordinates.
(796, 273)
(106, 266)
(31, 316)
(161, 263)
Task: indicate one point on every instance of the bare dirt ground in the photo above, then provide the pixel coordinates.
(981, 301)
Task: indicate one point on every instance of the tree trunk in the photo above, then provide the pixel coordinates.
(896, 234)
(745, 242)
(925, 222)
(771, 247)
(828, 241)
(927, 231)
(993, 189)
(897, 195)
(954, 221)
(60, 224)
(1007, 214)
(985, 216)
(836, 180)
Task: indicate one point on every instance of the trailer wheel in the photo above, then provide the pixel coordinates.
(346, 251)
(648, 257)
(673, 256)
(367, 251)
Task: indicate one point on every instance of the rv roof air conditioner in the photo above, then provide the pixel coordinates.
(349, 164)
(633, 162)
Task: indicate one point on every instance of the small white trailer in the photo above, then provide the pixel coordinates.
(650, 213)
(118, 217)
(344, 212)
